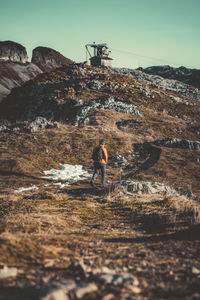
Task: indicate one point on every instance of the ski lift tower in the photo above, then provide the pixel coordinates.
(101, 55)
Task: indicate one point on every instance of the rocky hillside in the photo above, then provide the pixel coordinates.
(137, 237)
(15, 69)
(117, 105)
(172, 85)
(15, 74)
(185, 75)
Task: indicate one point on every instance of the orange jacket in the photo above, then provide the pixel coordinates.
(105, 159)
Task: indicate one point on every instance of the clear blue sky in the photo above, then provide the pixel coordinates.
(139, 32)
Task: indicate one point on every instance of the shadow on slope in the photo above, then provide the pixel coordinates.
(84, 190)
(191, 234)
(153, 155)
(7, 173)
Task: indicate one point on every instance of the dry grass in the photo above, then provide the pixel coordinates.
(188, 208)
(157, 213)
(35, 224)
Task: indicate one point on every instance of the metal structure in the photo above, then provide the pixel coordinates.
(100, 56)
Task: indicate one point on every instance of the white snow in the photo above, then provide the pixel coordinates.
(6, 272)
(22, 189)
(70, 173)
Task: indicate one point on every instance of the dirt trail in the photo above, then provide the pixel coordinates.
(147, 159)
(81, 224)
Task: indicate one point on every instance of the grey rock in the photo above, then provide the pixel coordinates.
(58, 290)
(176, 99)
(6, 272)
(130, 123)
(119, 160)
(124, 280)
(78, 267)
(69, 290)
(174, 143)
(56, 124)
(119, 279)
(16, 129)
(188, 194)
(185, 90)
(41, 123)
(147, 187)
(95, 85)
(107, 103)
(3, 128)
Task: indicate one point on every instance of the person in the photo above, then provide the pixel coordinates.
(100, 158)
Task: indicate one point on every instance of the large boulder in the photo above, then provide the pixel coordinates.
(41, 123)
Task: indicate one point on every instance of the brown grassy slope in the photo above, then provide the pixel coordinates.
(25, 155)
(42, 233)
(30, 154)
(68, 83)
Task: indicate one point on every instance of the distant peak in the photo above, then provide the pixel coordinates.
(48, 58)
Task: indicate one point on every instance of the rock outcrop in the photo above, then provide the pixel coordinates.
(15, 69)
(47, 59)
(109, 103)
(172, 143)
(36, 125)
(11, 51)
(147, 187)
(41, 123)
(15, 74)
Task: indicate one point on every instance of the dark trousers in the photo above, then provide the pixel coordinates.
(99, 167)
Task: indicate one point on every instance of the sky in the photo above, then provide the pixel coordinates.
(139, 33)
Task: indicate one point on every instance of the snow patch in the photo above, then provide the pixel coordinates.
(6, 272)
(69, 173)
(23, 189)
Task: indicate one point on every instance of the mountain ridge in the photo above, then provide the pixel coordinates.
(183, 74)
(15, 69)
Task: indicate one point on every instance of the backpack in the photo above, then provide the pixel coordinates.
(98, 154)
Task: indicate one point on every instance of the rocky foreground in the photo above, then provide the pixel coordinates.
(92, 243)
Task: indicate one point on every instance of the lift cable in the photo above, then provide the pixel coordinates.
(144, 56)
